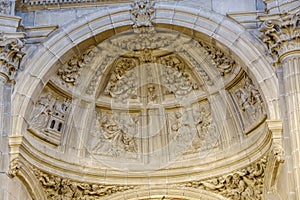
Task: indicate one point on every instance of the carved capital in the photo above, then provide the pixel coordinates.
(11, 55)
(142, 13)
(282, 35)
(14, 167)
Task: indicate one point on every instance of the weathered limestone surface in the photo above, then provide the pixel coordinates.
(141, 99)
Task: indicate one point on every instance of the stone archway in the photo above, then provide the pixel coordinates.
(84, 39)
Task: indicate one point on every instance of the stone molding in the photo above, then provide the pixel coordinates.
(245, 183)
(275, 156)
(282, 35)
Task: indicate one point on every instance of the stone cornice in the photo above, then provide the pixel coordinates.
(282, 35)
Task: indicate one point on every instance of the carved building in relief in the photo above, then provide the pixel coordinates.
(149, 99)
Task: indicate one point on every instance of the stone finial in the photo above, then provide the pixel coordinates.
(282, 35)
(11, 55)
(142, 13)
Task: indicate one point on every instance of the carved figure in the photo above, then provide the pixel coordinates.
(42, 111)
(244, 184)
(113, 138)
(58, 188)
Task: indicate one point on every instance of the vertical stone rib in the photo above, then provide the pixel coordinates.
(282, 37)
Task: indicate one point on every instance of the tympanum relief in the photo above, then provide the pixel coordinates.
(250, 103)
(49, 116)
(70, 73)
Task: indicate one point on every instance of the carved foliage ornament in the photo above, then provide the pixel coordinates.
(5, 6)
(142, 13)
(71, 71)
(244, 184)
(223, 63)
(11, 55)
(56, 187)
(283, 35)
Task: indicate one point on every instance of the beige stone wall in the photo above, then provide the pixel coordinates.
(80, 59)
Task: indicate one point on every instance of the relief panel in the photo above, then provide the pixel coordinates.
(249, 103)
(49, 116)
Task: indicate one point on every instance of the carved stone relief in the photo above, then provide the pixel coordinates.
(175, 76)
(49, 116)
(5, 7)
(207, 136)
(243, 184)
(142, 13)
(10, 56)
(281, 35)
(224, 64)
(249, 102)
(108, 59)
(56, 187)
(127, 77)
(71, 71)
(113, 134)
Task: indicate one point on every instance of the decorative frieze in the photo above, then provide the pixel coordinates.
(142, 13)
(250, 103)
(71, 71)
(246, 183)
(224, 64)
(11, 55)
(282, 35)
(56, 187)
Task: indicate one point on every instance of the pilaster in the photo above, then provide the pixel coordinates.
(282, 36)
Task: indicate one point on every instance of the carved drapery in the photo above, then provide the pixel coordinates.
(11, 55)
